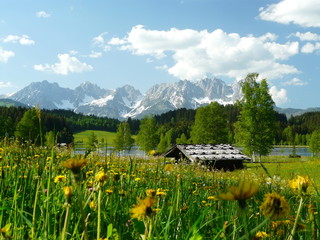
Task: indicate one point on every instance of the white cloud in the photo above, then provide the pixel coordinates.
(197, 54)
(163, 67)
(23, 40)
(43, 14)
(295, 82)
(99, 41)
(310, 48)
(304, 13)
(279, 96)
(307, 36)
(5, 84)
(95, 54)
(73, 52)
(117, 41)
(5, 55)
(67, 64)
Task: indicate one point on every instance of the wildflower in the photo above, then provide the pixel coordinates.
(89, 184)
(101, 177)
(59, 179)
(137, 179)
(5, 230)
(143, 209)
(168, 167)
(151, 192)
(244, 191)
(212, 198)
(275, 206)
(1, 150)
(75, 165)
(152, 152)
(262, 234)
(109, 191)
(89, 173)
(300, 183)
(160, 193)
(67, 192)
(122, 192)
(92, 205)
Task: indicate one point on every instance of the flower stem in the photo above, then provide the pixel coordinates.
(99, 214)
(65, 223)
(293, 231)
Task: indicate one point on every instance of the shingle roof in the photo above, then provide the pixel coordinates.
(195, 152)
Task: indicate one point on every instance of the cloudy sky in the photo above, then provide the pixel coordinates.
(146, 42)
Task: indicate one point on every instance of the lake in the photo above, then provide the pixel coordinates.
(286, 151)
(277, 151)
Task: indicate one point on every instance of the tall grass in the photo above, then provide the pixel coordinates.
(185, 202)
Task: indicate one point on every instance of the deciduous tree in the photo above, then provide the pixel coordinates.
(28, 127)
(256, 124)
(210, 126)
(123, 140)
(314, 144)
(147, 137)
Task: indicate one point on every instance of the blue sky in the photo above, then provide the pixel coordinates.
(146, 42)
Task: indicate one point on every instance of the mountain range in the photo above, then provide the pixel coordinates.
(126, 101)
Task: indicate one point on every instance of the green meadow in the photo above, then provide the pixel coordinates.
(54, 194)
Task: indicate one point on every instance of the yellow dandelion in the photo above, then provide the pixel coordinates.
(168, 167)
(101, 177)
(75, 165)
(300, 183)
(152, 152)
(262, 234)
(212, 198)
(6, 229)
(92, 205)
(89, 184)
(137, 179)
(143, 208)
(245, 190)
(1, 150)
(59, 179)
(275, 206)
(151, 192)
(109, 191)
(67, 192)
(160, 193)
(89, 173)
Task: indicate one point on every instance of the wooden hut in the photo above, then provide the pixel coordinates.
(220, 156)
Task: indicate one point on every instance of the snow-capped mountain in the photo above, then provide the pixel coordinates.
(184, 94)
(127, 101)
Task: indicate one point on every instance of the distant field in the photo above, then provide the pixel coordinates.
(103, 137)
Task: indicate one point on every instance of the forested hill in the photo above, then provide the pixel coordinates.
(180, 121)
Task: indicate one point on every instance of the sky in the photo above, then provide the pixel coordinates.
(146, 42)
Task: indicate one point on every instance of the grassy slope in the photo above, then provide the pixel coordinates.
(84, 136)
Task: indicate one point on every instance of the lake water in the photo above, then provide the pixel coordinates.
(286, 151)
(277, 151)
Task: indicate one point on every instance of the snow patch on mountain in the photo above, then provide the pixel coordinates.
(65, 104)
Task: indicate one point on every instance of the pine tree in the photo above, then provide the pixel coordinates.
(256, 124)
(210, 126)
